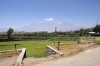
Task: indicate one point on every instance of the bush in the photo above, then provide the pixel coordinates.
(6, 39)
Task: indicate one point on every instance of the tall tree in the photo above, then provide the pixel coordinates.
(9, 32)
(81, 32)
(97, 28)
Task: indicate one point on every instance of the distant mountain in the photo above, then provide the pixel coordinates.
(50, 27)
(47, 26)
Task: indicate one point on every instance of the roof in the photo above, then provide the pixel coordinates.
(92, 32)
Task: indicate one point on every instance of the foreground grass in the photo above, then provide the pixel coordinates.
(33, 48)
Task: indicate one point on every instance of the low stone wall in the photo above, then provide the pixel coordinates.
(51, 51)
(21, 57)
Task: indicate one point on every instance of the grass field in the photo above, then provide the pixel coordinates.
(33, 48)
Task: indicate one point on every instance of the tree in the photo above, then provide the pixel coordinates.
(9, 32)
(70, 33)
(81, 32)
(97, 28)
(86, 31)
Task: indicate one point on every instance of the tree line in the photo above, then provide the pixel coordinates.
(81, 32)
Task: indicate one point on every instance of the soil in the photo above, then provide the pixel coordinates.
(88, 57)
(9, 54)
(68, 49)
(8, 58)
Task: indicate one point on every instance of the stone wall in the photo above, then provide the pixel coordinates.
(51, 51)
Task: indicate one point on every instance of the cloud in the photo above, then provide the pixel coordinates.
(59, 22)
(50, 19)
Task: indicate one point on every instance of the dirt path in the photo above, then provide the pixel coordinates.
(8, 61)
(90, 57)
(33, 61)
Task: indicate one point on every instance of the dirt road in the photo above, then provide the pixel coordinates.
(90, 57)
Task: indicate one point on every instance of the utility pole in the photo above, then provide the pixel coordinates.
(95, 32)
(97, 20)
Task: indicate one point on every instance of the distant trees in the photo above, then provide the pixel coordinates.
(97, 28)
(77, 33)
(71, 33)
(9, 32)
(81, 32)
(86, 31)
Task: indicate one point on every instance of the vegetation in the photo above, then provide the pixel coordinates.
(97, 28)
(33, 48)
(19, 35)
(81, 32)
(9, 32)
(37, 48)
(77, 33)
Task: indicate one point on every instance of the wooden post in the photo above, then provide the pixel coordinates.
(94, 39)
(58, 45)
(15, 47)
(54, 42)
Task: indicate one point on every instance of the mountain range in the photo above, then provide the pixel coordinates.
(46, 26)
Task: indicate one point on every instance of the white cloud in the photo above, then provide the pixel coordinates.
(59, 22)
(50, 19)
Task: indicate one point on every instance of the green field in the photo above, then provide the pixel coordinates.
(33, 48)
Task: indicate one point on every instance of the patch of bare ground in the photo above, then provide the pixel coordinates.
(69, 49)
(88, 57)
(8, 58)
(9, 54)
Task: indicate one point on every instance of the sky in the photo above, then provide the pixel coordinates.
(19, 13)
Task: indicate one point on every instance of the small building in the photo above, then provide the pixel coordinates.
(91, 33)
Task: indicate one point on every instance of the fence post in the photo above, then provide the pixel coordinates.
(15, 47)
(54, 42)
(58, 45)
(94, 38)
